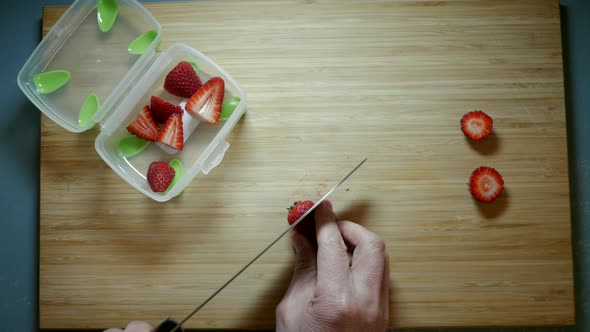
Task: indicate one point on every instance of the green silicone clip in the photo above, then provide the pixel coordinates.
(50, 81)
(131, 145)
(106, 13)
(177, 166)
(142, 43)
(228, 106)
(89, 107)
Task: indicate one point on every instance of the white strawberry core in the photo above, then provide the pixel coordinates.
(488, 186)
(204, 111)
(476, 126)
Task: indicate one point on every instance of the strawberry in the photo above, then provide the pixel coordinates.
(205, 105)
(307, 225)
(476, 125)
(160, 175)
(171, 133)
(162, 109)
(486, 184)
(144, 126)
(182, 80)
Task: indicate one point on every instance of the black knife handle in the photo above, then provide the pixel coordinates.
(168, 325)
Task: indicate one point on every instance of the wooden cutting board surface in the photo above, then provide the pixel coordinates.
(330, 82)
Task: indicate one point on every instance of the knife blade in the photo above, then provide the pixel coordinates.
(171, 325)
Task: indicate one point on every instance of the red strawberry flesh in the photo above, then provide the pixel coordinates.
(161, 109)
(205, 105)
(144, 126)
(171, 133)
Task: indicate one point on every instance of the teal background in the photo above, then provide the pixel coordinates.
(19, 167)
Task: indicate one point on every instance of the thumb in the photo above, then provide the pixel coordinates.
(302, 287)
(304, 273)
(305, 257)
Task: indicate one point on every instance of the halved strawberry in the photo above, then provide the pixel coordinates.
(182, 80)
(162, 109)
(476, 125)
(486, 184)
(205, 105)
(144, 126)
(171, 133)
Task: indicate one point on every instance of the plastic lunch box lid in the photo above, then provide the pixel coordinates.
(58, 36)
(117, 89)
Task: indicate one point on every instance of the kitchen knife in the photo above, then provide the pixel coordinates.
(171, 325)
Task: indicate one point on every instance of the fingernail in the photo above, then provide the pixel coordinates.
(328, 204)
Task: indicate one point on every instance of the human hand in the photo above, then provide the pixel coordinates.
(332, 291)
(135, 326)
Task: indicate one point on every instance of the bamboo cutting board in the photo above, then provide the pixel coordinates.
(331, 82)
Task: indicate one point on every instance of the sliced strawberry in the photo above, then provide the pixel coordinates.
(171, 133)
(486, 184)
(205, 105)
(144, 126)
(307, 225)
(297, 210)
(476, 125)
(162, 109)
(182, 80)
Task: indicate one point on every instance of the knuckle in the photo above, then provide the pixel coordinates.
(344, 308)
(138, 326)
(303, 264)
(377, 246)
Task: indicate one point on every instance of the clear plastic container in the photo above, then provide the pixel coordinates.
(100, 63)
(203, 149)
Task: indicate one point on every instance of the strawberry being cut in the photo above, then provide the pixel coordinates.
(144, 126)
(182, 80)
(205, 105)
(486, 184)
(160, 175)
(476, 125)
(162, 109)
(171, 133)
(307, 225)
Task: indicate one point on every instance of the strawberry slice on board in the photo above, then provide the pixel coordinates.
(161, 109)
(486, 184)
(171, 133)
(476, 125)
(205, 105)
(144, 126)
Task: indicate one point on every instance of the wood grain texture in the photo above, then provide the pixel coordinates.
(329, 83)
